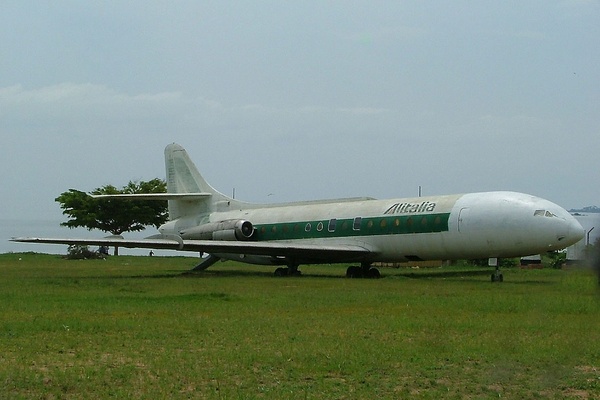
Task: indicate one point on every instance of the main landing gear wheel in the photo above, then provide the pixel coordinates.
(354, 272)
(281, 271)
(373, 273)
(362, 272)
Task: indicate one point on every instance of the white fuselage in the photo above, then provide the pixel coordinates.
(476, 225)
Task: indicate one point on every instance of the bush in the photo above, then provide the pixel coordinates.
(79, 252)
(557, 259)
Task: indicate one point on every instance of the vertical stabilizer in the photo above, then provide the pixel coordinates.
(184, 177)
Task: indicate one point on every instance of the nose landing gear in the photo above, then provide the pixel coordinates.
(497, 275)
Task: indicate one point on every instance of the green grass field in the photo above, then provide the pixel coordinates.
(141, 327)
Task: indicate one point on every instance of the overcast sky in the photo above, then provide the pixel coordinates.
(302, 100)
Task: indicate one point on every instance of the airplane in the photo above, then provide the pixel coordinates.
(490, 225)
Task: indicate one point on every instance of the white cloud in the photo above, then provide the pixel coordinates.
(523, 34)
(363, 110)
(389, 33)
(579, 3)
(77, 99)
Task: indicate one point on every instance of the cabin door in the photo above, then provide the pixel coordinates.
(463, 218)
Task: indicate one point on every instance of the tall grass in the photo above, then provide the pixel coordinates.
(141, 327)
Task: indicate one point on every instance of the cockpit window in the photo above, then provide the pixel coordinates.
(543, 213)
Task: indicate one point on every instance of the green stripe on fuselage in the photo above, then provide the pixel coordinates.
(383, 225)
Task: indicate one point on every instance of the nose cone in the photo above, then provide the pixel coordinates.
(575, 231)
(566, 228)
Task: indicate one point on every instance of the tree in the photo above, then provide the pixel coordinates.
(115, 215)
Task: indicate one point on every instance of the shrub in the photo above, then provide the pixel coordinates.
(80, 252)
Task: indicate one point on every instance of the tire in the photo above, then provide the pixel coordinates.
(374, 273)
(354, 272)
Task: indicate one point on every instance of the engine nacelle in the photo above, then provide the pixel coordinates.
(232, 229)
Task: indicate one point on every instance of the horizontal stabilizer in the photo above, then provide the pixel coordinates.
(155, 196)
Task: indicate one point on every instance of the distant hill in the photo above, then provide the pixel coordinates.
(588, 209)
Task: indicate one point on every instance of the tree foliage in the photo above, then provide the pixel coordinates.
(115, 215)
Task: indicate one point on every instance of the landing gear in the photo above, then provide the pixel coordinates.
(364, 271)
(354, 272)
(206, 262)
(288, 271)
(497, 275)
(373, 273)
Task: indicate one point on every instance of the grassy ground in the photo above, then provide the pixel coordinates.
(140, 327)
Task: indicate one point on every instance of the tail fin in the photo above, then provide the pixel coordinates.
(183, 177)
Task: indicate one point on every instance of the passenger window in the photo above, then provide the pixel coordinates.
(332, 224)
(320, 226)
(356, 224)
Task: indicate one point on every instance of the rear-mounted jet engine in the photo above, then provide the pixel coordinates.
(233, 229)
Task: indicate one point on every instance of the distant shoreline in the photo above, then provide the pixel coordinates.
(589, 210)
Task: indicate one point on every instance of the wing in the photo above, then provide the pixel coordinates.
(306, 252)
